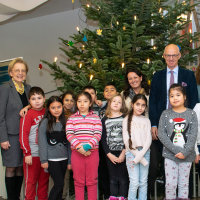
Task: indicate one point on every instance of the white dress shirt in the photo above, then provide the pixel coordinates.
(175, 70)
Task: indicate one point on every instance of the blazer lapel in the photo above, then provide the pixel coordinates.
(26, 90)
(180, 79)
(164, 84)
(15, 95)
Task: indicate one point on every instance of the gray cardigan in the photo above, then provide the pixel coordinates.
(46, 151)
(10, 106)
(166, 128)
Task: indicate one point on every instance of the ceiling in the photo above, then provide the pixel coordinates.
(15, 10)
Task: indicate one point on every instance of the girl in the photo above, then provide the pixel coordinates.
(178, 132)
(197, 149)
(68, 99)
(137, 139)
(113, 146)
(83, 131)
(54, 148)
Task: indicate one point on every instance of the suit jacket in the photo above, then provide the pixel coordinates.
(158, 92)
(10, 106)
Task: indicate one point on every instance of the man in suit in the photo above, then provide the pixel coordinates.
(159, 101)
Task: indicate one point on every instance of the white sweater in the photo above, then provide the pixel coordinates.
(197, 110)
(140, 135)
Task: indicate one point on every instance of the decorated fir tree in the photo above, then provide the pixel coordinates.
(130, 33)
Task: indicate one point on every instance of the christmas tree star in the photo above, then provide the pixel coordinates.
(99, 32)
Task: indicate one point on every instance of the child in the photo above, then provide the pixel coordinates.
(178, 132)
(109, 91)
(197, 149)
(137, 140)
(54, 148)
(96, 104)
(113, 146)
(104, 183)
(83, 131)
(68, 99)
(33, 172)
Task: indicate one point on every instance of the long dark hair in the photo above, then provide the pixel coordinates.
(70, 93)
(51, 119)
(143, 83)
(73, 97)
(130, 115)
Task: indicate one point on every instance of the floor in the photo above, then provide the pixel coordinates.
(158, 199)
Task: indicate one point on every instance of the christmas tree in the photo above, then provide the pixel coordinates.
(130, 33)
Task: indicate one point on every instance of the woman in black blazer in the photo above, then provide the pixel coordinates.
(13, 97)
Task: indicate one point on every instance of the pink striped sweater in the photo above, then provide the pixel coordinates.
(82, 130)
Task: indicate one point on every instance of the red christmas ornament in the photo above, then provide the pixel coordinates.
(40, 66)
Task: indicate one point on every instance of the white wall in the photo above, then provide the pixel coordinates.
(36, 39)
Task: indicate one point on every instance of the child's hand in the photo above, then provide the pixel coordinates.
(122, 156)
(24, 111)
(5, 145)
(87, 153)
(98, 102)
(69, 166)
(45, 165)
(180, 155)
(81, 150)
(197, 159)
(113, 158)
(28, 160)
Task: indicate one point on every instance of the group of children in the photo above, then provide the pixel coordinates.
(68, 131)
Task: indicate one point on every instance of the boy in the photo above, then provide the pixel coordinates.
(109, 91)
(104, 183)
(33, 172)
(96, 103)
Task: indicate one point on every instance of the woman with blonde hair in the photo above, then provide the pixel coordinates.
(13, 97)
(113, 146)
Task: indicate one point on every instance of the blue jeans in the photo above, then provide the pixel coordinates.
(138, 175)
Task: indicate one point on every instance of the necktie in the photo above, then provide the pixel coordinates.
(170, 83)
(171, 78)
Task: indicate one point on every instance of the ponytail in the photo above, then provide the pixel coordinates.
(130, 115)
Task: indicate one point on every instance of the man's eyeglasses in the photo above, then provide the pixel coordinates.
(173, 55)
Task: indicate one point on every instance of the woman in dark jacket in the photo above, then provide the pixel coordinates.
(13, 97)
